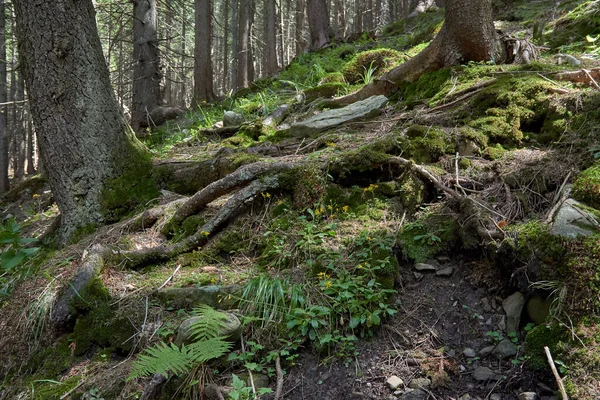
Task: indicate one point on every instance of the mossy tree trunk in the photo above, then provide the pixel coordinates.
(468, 34)
(96, 168)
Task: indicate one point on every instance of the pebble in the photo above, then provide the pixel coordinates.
(505, 349)
(394, 382)
(424, 267)
(444, 272)
(495, 396)
(483, 374)
(528, 396)
(486, 351)
(468, 352)
(420, 383)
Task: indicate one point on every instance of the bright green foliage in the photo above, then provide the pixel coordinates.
(426, 87)
(324, 90)
(427, 144)
(168, 359)
(242, 392)
(378, 61)
(13, 252)
(543, 335)
(587, 186)
(577, 30)
(429, 235)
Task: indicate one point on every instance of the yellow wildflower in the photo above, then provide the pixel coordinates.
(360, 266)
(204, 233)
(328, 284)
(345, 208)
(35, 195)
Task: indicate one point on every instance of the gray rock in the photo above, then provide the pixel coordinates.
(331, 118)
(425, 267)
(63, 313)
(505, 349)
(538, 309)
(468, 352)
(188, 297)
(394, 382)
(486, 351)
(513, 306)
(528, 396)
(418, 276)
(445, 271)
(418, 383)
(483, 374)
(573, 220)
(414, 394)
(485, 302)
(495, 396)
(231, 329)
(465, 396)
(502, 323)
(231, 118)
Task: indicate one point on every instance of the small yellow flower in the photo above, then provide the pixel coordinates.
(321, 274)
(317, 212)
(266, 195)
(330, 207)
(204, 233)
(345, 208)
(360, 266)
(280, 202)
(35, 196)
(330, 144)
(328, 284)
(368, 237)
(213, 280)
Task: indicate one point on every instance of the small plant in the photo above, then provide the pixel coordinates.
(240, 391)
(92, 394)
(14, 254)
(495, 335)
(369, 73)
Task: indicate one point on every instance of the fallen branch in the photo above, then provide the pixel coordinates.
(151, 390)
(279, 387)
(581, 76)
(559, 381)
(424, 173)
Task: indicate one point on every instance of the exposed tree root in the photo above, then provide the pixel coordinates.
(582, 76)
(151, 390)
(148, 218)
(425, 174)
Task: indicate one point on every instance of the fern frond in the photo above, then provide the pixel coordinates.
(206, 350)
(162, 359)
(209, 325)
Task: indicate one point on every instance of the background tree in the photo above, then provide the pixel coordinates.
(4, 161)
(96, 168)
(244, 70)
(203, 68)
(270, 17)
(318, 22)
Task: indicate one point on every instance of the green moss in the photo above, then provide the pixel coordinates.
(494, 152)
(572, 28)
(428, 236)
(46, 390)
(366, 157)
(307, 184)
(426, 87)
(411, 190)
(426, 144)
(379, 60)
(243, 158)
(51, 361)
(334, 77)
(410, 32)
(587, 186)
(325, 90)
(549, 335)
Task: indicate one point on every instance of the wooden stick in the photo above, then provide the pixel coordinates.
(279, 387)
(559, 381)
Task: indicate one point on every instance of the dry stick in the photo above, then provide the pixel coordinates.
(593, 81)
(64, 396)
(279, 387)
(457, 176)
(560, 89)
(169, 278)
(559, 381)
(425, 173)
(478, 89)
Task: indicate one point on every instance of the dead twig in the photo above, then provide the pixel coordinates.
(279, 387)
(424, 173)
(559, 381)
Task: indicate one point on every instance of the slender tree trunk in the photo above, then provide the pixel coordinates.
(96, 168)
(244, 57)
(226, 46)
(168, 32)
(182, 71)
(270, 16)
(318, 23)
(299, 23)
(234, 41)
(146, 70)
(4, 183)
(203, 68)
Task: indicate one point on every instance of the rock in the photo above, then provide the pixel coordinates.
(331, 118)
(505, 349)
(468, 352)
(260, 380)
(425, 267)
(528, 396)
(513, 306)
(483, 374)
(418, 383)
(445, 271)
(162, 114)
(418, 275)
(538, 309)
(573, 220)
(486, 351)
(217, 125)
(189, 297)
(465, 396)
(231, 330)
(414, 394)
(231, 118)
(393, 382)
(502, 323)
(495, 396)
(63, 313)
(486, 304)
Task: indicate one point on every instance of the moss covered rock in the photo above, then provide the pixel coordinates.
(324, 90)
(426, 144)
(549, 335)
(587, 186)
(378, 61)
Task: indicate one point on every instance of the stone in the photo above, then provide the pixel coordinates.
(445, 271)
(486, 351)
(485, 302)
(505, 349)
(468, 352)
(231, 330)
(414, 394)
(425, 267)
(418, 276)
(495, 396)
(188, 297)
(572, 220)
(231, 118)
(418, 383)
(483, 374)
(528, 396)
(538, 309)
(160, 115)
(331, 118)
(465, 396)
(502, 323)
(394, 382)
(513, 306)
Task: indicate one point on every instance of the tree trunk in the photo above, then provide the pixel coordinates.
(467, 35)
(146, 70)
(4, 183)
(203, 68)
(244, 59)
(299, 23)
(30, 147)
(226, 46)
(270, 13)
(318, 24)
(96, 168)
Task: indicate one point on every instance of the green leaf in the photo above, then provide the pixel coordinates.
(11, 258)
(312, 334)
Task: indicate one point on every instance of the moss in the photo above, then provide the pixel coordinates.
(428, 236)
(378, 60)
(413, 31)
(543, 335)
(426, 87)
(47, 390)
(572, 28)
(587, 186)
(51, 361)
(427, 144)
(325, 90)
(411, 190)
(494, 152)
(243, 158)
(133, 183)
(307, 184)
(366, 157)
(334, 77)
(82, 232)
(477, 136)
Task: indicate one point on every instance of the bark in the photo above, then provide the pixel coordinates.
(30, 146)
(299, 24)
(467, 35)
(203, 68)
(226, 46)
(96, 169)
(271, 66)
(318, 24)
(4, 183)
(234, 42)
(244, 58)
(146, 71)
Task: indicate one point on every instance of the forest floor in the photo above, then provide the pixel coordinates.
(389, 246)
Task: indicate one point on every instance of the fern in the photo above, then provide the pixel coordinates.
(168, 359)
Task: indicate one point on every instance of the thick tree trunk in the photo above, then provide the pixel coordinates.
(146, 71)
(318, 24)
(270, 12)
(299, 24)
(4, 183)
(467, 35)
(244, 58)
(96, 168)
(203, 68)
